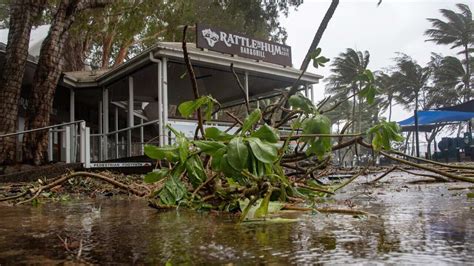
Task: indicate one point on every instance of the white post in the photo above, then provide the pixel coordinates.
(72, 118)
(67, 133)
(306, 92)
(50, 145)
(87, 147)
(116, 134)
(312, 93)
(82, 142)
(100, 129)
(130, 115)
(141, 137)
(160, 105)
(164, 69)
(105, 112)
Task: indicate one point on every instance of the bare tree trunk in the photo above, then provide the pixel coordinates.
(22, 15)
(47, 76)
(122, 53)
(468, 71)
(390, 109)
(106, 49)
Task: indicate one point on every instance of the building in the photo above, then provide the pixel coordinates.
(124, 107)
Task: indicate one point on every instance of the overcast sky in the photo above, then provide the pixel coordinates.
(394, 26)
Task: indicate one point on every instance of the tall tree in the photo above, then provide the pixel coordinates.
(23, 14)
(345, 69)
(449, 76)
(387, 84)
(126, 28)
(47, 75)
(458, 31)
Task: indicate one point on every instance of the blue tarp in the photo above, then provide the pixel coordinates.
(432, 117)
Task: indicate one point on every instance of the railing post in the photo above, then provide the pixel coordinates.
(130, 116)
(50, 145)
(82, 142)
(67, 133)
(87, 147)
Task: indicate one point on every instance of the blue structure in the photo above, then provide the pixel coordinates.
(437, 116)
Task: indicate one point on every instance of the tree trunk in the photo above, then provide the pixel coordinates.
(74, 58)
(106, 50)
(122, 53)
(22, 15)
(390, 109)
(467, 82)
(47, 76)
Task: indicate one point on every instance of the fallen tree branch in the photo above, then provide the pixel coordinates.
(383, 175)
(420, 166)
(452, 166)
(36, 192)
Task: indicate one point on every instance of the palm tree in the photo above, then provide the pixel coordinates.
(458, 31)
(449, 79)
(387, 84)
(343, 81)
(411, 79)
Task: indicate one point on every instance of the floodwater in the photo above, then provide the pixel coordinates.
(414, 224)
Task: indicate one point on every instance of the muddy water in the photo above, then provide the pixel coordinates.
(414, 224)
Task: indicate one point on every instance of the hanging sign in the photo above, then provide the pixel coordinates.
(223, 41)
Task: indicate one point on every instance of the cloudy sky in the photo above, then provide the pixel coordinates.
(394, 26)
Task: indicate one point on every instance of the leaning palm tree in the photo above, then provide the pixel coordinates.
(343, 81)
(387, 85)
(412, 79)
(449, 80)
(458, 31)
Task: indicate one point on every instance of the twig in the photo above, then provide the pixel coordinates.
(202, 185)
(192, 77)
(320, 135)
(317, 189)
(383, 175)
(247, 105)
(234, 117)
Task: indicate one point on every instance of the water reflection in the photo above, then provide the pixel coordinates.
(414, 225)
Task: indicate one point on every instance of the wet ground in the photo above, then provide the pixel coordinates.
(415, 224)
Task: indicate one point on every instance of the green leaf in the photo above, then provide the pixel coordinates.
(238, 154)
(216, 134)
(227, 169)
(314, 54)
(317, 124)
(156, 176)
(195, 170)
(169, 153)
(262, 211)
(264, 151)
(183, 148)
(187, 108)
(208, 146)
(173, 191)
(383, 134)
(267, 133)
(298, 101)
(251, 120)
(216, 159)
